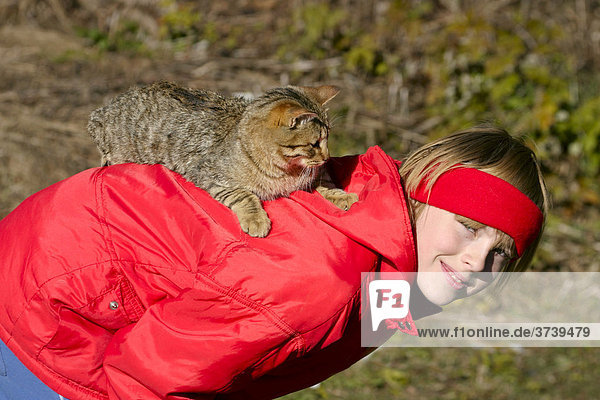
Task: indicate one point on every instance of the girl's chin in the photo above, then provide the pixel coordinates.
(439, 300)
(438, 292)
(441, 293)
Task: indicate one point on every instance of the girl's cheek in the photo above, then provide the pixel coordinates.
(454, 242)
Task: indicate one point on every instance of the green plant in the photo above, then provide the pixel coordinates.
(179, 20)
(479, 70)
(126, 38)
(314, 32)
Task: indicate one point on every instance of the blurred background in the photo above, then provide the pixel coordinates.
(410, 71)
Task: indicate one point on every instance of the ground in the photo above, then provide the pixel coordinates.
(51, 80)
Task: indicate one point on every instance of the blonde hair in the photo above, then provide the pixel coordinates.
(489, 149)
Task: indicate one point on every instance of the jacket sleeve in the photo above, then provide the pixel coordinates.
(201, 343)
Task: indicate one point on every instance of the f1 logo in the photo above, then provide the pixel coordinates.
(388, 299)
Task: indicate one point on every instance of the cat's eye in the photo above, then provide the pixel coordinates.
(302, 119)
(315, 144)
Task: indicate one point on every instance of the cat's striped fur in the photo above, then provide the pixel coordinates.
(240, 151)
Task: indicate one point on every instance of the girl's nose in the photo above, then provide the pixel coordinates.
(478, 256)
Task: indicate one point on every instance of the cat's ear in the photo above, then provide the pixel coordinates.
(322, 94)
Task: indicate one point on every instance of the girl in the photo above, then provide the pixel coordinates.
(492, 185)
(128, 282)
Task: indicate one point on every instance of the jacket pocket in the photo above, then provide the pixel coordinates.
(115, 308)
(97, 299)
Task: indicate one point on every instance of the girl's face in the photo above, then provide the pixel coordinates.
(455, 260)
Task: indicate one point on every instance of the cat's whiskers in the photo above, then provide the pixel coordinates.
(307, 177)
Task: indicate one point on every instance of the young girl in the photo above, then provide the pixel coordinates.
(492, 185)
(128, 282)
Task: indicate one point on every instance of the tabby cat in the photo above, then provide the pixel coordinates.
(240, 151)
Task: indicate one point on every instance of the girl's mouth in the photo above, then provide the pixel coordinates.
(453, 277)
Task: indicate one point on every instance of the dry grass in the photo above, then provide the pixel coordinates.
(51, 79)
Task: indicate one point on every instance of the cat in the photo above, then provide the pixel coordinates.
(240, 151)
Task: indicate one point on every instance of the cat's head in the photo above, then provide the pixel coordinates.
(292, 125)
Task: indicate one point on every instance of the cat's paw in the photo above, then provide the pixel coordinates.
(255, 224)
(340, 198)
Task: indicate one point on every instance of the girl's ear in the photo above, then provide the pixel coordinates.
(322, 94)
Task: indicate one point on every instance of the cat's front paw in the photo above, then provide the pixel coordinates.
(255, 224)
(340, 198)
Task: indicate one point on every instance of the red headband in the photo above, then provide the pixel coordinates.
(486, 199)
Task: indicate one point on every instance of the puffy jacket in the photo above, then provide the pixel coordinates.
(128, 282)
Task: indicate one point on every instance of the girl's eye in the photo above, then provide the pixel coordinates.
(469, 228)
(501, 253)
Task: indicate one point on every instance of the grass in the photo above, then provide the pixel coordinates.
(465, 373)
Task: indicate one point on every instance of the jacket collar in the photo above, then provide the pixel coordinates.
(380, 219)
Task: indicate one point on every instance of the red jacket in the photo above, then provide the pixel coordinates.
(128, 282)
